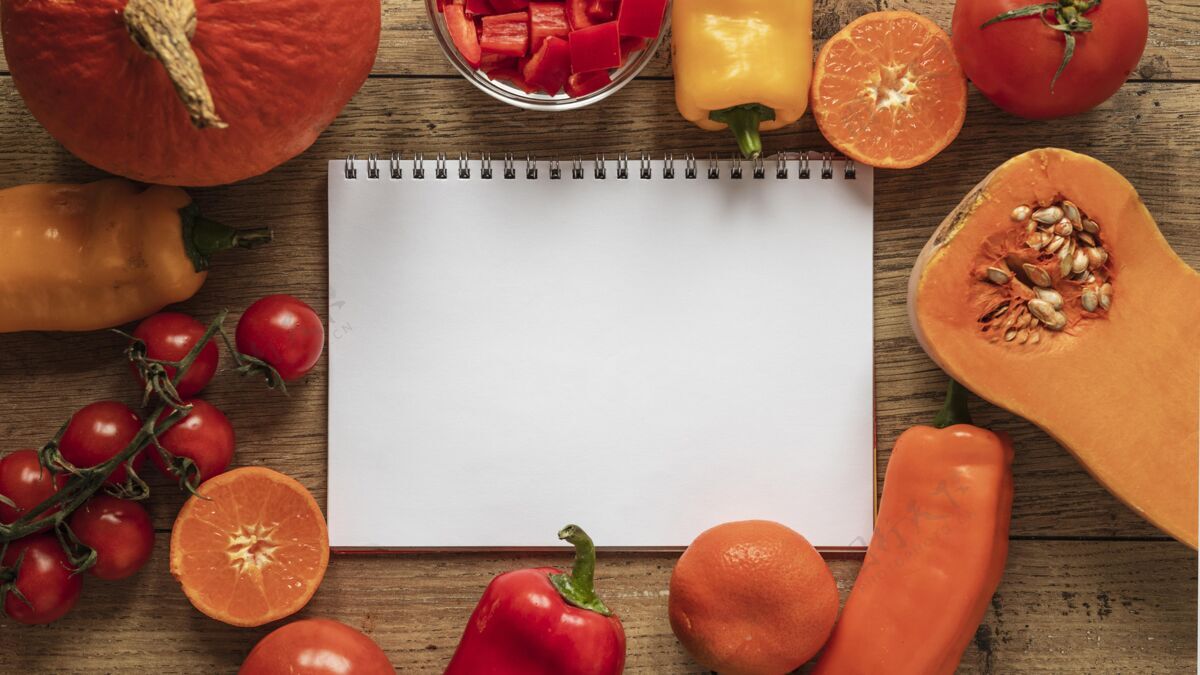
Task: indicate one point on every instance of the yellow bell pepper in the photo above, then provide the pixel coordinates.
(742, 64)
(83, 257)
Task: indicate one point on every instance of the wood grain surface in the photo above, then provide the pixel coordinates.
(1089, 586)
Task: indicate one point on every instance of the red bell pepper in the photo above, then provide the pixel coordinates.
(512, 75)
(546, 19)
(549, 68)
(478, 8)
(577, 15)
(543, 622)
(630, 45)
(641, 18)
(595, 48)
(506, 6)
(506, 34)
(462, 33)
(582, 84)
(602, 10)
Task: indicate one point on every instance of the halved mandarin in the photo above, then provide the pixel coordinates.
(888, 91)
(251, 549)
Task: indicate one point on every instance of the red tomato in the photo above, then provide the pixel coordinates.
(284, 332)
(45, 578)
(120, 532)
(26, 483)
(316, 647)
(169, 336)
(1013, 62)
(205, 436)
(97, 433)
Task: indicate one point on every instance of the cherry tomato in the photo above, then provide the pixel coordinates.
(316, 647)
(1013, 62)
(45, 578)
(120, 532)
(169, 336)
(284, 332)
(205, 436)
(26, 483)
(98, 432)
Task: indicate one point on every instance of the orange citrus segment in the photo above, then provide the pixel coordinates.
(888, 91)
(253, 551)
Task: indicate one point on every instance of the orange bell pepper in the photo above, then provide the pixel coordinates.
(940, 543)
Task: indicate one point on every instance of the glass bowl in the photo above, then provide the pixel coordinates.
(503, 91)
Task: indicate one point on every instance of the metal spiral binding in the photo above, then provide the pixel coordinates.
(600, 167)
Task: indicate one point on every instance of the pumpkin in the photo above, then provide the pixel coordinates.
(1051, 293)
(186, 92)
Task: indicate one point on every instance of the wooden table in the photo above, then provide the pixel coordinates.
(1089, 586)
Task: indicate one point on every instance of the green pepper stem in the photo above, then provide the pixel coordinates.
(578, 587)
(954, 410)
(203, 237)
(744, 121)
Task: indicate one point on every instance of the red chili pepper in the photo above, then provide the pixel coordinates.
(546, 19)
(543, 622)
(549, 68)
(582, 84)
(462, 32)
(595, 48)
(602, 10)
(577, 14)
(506, 34)
(641, 18)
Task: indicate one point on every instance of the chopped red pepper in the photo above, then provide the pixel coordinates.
(577, 15)
(506, 6)
(582, 84)
(478, 7)
(546, 19)
(506, 34)
(630, 45)
(462, 33)
(549, 68)
(512, 75)
(496, 61)
(641, 18)
(602, 10)
(595, 48)
(543, 622)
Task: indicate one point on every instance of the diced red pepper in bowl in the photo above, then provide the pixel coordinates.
(602, 10)
(462, 33)
(641, 18)
(577, 14)
(546, 19)
(582, 84)
(630, 45)
(596, 48)
(550, 67)
(506, 34)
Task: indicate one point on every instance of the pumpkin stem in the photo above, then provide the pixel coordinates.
(163, 29)
(954, 410)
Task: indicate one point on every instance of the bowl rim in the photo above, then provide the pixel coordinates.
(515, 97)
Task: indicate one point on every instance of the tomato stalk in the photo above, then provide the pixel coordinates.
(1069, 20)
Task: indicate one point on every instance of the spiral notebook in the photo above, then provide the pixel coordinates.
(644, 347)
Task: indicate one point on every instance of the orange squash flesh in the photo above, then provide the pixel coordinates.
(1119, 388)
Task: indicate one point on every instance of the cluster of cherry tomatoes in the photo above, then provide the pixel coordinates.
(37, 580)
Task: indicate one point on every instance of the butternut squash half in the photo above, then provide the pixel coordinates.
(1050, 292)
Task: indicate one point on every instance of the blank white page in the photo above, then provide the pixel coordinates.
(646, 358)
